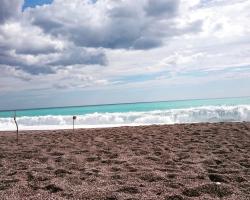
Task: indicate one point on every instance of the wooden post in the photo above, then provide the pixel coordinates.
(74, 118)
(16, 127)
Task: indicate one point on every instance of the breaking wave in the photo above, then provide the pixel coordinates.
(172, 116)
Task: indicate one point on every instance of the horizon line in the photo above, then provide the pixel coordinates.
(125, 103)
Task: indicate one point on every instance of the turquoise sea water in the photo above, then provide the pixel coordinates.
(168, 112)
(129, 107)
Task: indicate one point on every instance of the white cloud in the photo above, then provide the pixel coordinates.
(80, 44)
(24, 38)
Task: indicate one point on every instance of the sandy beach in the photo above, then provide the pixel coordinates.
(168, 162)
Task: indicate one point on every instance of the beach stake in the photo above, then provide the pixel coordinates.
(16, 127)
(74, 118)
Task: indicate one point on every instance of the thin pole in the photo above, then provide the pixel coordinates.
(16, 127)
(74, 118)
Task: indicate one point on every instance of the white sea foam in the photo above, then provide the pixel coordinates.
(173, 116)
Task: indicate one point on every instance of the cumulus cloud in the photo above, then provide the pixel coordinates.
(10, 9)
(87, 43)
(110, 24)
(26, 39)
(47, 38)
(29, 49)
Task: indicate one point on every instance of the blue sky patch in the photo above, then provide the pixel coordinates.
(34, 3)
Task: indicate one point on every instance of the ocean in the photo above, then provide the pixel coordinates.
(131, 114)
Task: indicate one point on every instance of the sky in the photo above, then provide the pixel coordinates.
(34, 3)
(82, 52)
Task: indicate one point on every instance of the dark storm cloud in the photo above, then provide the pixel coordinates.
(9, 9)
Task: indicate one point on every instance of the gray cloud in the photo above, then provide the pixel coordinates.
(8, 71)
(49, 38)
(118, 34)
(65, 44)
(147, 43)
(122, 28)
(167, 8)
(36, 69)
(48, 25)
(35, 50)
(72, 56)
(80, 56)
(122, 25)
(10, 9)
(19, 64)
